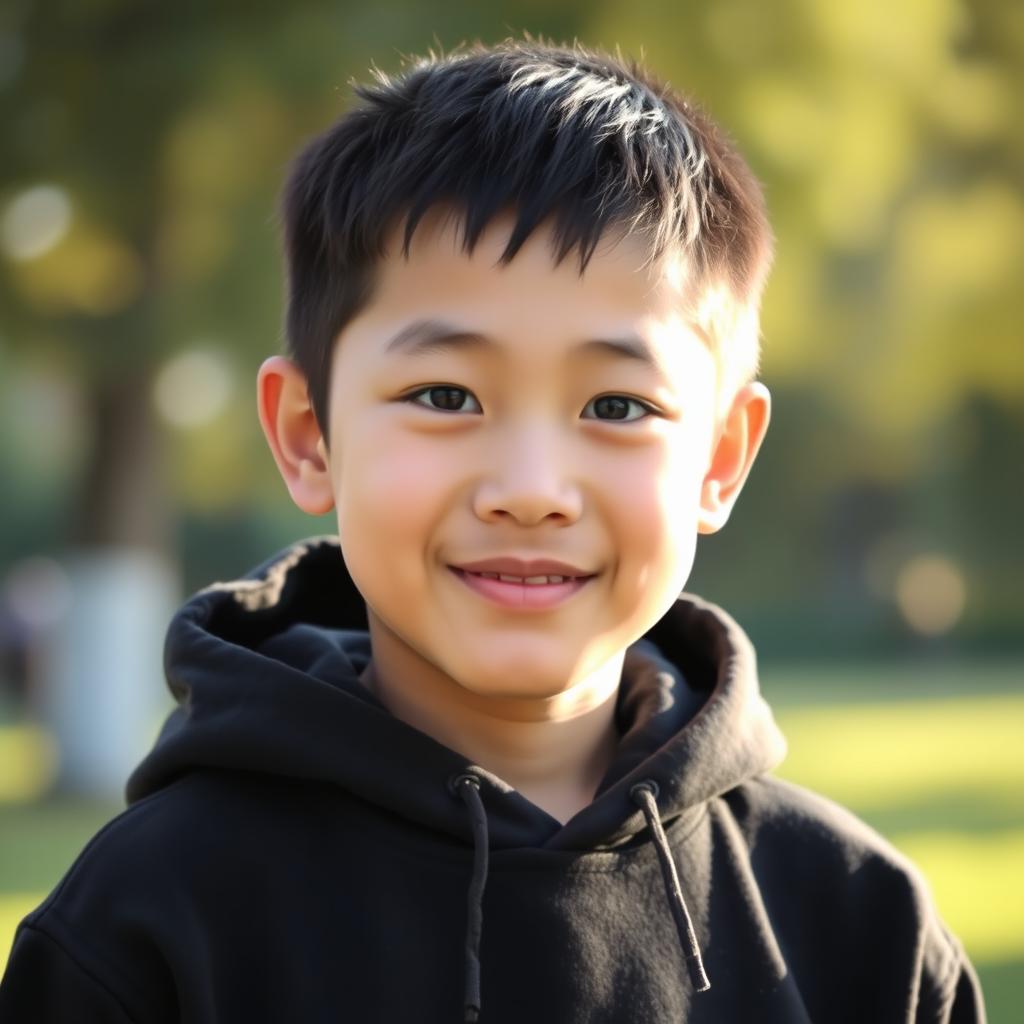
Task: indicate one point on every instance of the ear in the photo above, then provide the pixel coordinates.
(288, 421)
(738, 441)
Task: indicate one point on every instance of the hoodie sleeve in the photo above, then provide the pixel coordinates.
(44, 984)
(967, 1006)
(955, 996)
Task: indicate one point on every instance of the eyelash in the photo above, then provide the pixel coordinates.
(649, 410)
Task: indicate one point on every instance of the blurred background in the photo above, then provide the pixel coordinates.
(875, 557)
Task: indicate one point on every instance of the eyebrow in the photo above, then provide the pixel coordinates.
(424, 336)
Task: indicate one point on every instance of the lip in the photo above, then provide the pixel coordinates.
(521, 596)
(523, 567)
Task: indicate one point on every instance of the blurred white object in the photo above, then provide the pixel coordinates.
(102, 689)
(38, 592)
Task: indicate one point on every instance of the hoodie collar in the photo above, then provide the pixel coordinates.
(264, 670)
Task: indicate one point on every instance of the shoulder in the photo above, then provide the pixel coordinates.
(818, 865)
(167, 850)
(770, 810)
(149, 886)
(795, 835)
(100, 923)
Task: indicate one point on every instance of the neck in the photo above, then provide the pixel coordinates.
(554, 749)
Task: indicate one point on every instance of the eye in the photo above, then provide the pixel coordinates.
(449, 398)
(616, 407)
(443, 398)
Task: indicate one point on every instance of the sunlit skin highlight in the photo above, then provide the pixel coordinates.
(525, 459)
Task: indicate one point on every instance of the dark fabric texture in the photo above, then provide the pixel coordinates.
(291, 851)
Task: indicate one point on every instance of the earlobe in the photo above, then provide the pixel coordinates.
(290, 427)
(737, 445)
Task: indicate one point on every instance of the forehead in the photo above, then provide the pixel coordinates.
(532, 327)
(621, 287)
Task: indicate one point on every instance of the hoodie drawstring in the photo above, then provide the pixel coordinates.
(468, 787)
(644, 793)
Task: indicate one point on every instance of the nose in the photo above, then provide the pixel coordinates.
(528, 478)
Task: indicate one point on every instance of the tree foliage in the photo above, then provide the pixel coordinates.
(887, 138)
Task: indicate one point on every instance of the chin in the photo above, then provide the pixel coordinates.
(513, 689)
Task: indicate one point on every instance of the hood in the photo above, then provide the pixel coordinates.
(264, 670)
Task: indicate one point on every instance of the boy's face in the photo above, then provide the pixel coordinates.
(529, 435)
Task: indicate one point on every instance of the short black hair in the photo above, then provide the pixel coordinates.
(583, 138)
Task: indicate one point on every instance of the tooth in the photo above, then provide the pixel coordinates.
(531, 580)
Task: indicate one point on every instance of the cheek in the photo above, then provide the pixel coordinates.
(392, 494)
(389, 501)
(655, 506)
(658, 497)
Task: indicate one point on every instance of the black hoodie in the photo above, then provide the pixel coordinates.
(292, 852)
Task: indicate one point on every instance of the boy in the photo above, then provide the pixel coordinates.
(477, 757)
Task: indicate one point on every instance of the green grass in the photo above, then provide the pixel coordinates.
(932, 756)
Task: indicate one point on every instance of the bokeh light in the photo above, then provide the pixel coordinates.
(34, 221)
(931, 594)
(193, 388)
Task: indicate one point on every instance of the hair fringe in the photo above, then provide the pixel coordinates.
(588, 139)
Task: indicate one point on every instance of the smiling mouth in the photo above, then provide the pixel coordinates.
(522, 592)
(529, 581)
